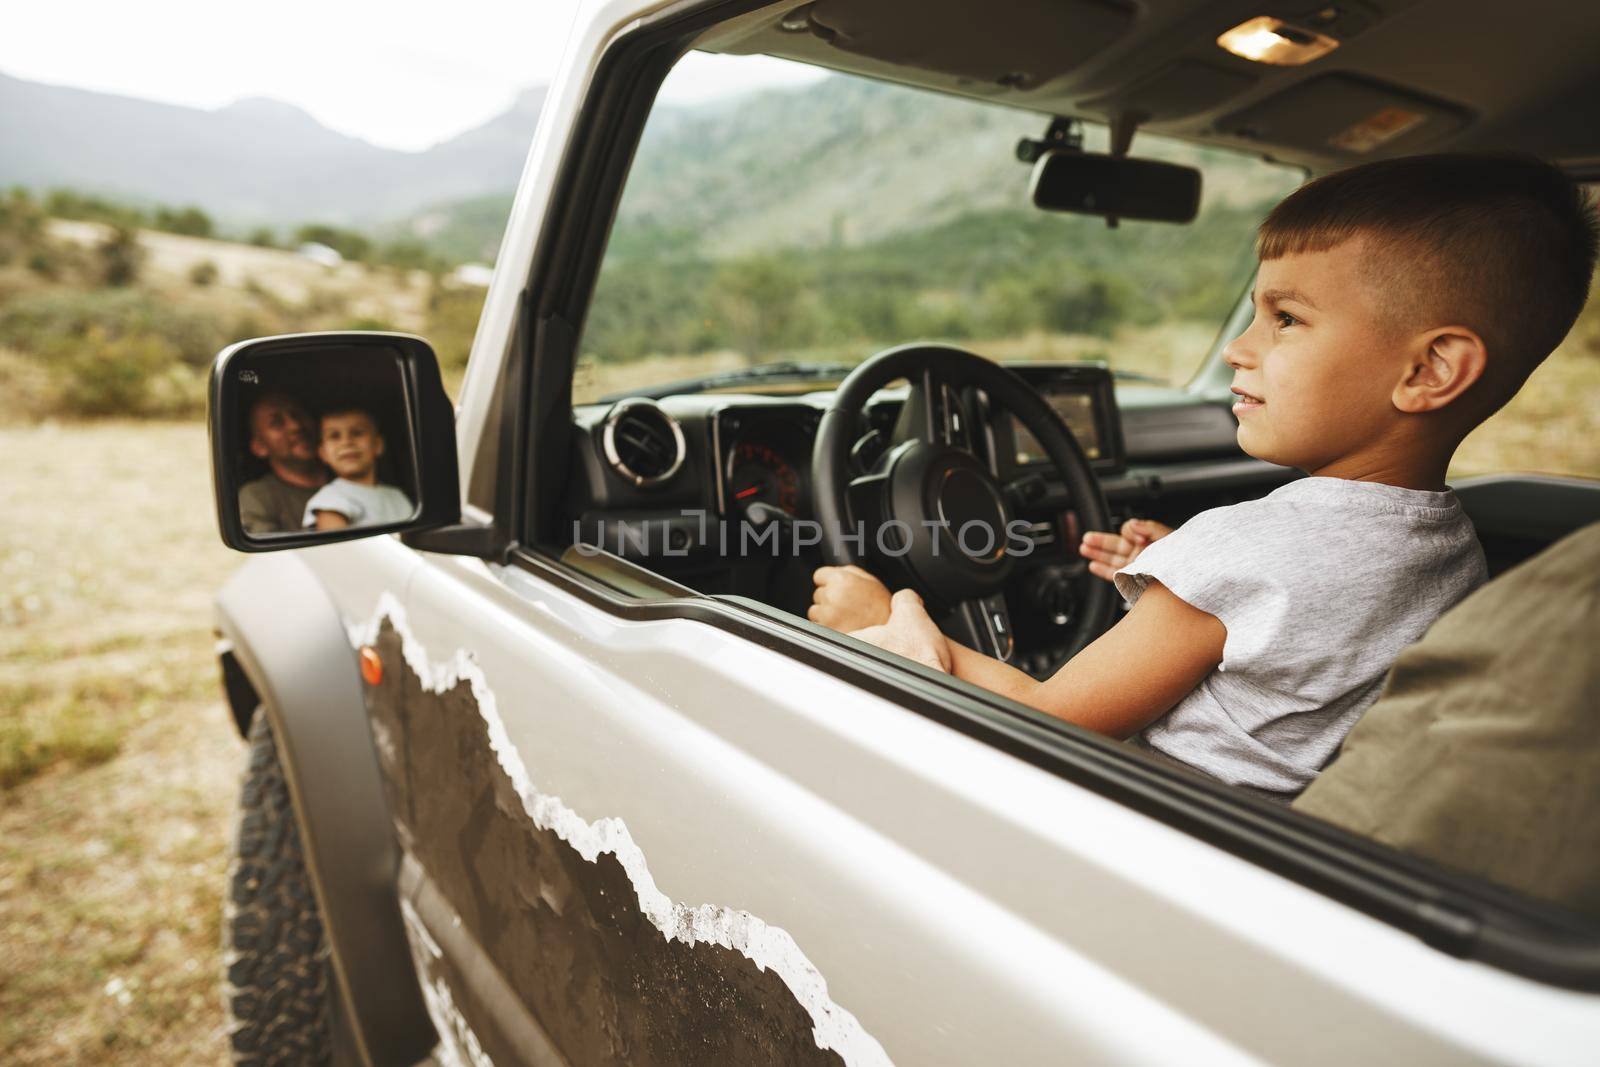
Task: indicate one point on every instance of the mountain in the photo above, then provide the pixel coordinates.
(254, 161)
(805, 166)
(843, 161)
(497, 148)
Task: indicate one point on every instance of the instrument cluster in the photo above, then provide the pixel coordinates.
(764, 456)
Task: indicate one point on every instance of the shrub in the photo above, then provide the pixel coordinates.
(452, 321)
(321, 301)
(203, 273)
(189, 221)
(20, 215)
(408, 254)
(66, 204)
(45, 323)
(121, 257)
(263, 238)
(348, 243)
(104, 375)
(248, 325)
(42, 263)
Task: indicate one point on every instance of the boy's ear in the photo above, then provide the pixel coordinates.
(257, 449)
(379, 438)
(1443, 365)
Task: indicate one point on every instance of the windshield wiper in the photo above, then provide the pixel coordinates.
(786, 370)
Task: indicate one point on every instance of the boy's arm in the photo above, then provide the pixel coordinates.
(1129, 677)
(331, 520)
(848, 598)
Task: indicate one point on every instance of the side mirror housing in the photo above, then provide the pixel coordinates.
(325, 437)
(1115, 187)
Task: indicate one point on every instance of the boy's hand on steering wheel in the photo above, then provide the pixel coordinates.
(910, 632)
(1108, 551)
(848, 598)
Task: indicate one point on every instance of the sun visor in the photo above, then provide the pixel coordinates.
(958, 37)
(1186, 87)
(1344, 116)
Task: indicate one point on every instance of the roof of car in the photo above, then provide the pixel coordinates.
(1406, 76)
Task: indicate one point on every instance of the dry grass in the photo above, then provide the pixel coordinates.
(118, 764)
(285, 278)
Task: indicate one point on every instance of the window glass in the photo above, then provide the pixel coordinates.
(1552, 426)
(829, 216)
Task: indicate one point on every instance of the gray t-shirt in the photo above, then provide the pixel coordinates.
(1320, 584)
(271, 505)
(362, 505)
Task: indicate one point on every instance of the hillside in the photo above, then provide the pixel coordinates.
(255, 161)
(843, 161)
(104, 320)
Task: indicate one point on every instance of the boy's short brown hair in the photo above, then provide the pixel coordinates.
(1503, 244)
(335, 410)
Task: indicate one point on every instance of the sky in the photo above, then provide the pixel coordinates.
(400, 74)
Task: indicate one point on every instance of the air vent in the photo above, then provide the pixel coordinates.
(642, 442)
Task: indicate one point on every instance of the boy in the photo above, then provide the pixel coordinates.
(350, 446)
(1397, 306)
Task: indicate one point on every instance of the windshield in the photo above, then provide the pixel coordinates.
(823, 221)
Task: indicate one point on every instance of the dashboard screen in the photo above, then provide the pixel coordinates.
(1076, 409)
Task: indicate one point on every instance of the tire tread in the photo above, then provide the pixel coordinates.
(275, 953)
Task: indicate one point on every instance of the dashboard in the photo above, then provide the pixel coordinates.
(726, 453)
(1085, 398)
(763, 454)
(690, 472)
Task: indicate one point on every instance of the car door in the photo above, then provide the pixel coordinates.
(651, 826)
(636, 833)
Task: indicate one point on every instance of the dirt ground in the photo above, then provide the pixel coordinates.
(118, 763)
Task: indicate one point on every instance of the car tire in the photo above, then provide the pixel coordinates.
(279, 988)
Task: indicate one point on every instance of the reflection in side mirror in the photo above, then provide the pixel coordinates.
(327, 437)
(1115, 187)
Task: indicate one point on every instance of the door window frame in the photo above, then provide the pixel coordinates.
(1458, 914)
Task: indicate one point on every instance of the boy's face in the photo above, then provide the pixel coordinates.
(1316, 370)
(351, 444)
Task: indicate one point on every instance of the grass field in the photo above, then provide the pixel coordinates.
(118, 764)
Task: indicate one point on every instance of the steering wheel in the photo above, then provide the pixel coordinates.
(931, 503)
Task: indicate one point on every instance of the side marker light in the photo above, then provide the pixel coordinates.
(371, 665)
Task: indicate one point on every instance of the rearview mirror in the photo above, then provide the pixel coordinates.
(327, 437)
(1115, 187)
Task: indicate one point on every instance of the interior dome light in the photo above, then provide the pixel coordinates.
(1265, 39)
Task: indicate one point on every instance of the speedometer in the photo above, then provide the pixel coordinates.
(757, 472)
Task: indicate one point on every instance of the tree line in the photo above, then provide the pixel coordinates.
(983, 275)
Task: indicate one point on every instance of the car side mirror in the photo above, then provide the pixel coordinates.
(326, 437)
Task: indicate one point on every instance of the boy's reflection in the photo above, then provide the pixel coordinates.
(351, 444)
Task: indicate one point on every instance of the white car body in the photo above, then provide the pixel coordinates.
(924, 896)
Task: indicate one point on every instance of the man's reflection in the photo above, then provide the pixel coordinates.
(282, 433)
